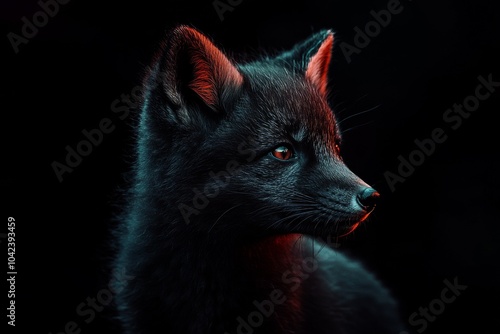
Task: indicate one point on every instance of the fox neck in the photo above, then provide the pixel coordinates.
(245, 275)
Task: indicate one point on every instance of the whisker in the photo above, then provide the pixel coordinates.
(339, 112)
(292, 216)
(327, 242)
(231, 208)
(358, 114)
(357, 126)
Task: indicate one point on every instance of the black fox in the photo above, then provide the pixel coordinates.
(237, 173)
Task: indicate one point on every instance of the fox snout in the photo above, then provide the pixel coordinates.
(347, 213)
(344, 200)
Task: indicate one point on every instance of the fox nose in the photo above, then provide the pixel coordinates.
(367, 198)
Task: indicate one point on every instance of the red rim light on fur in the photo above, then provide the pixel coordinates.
(317, 69)
(212, 69)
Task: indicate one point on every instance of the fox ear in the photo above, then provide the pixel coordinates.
(193, 64)
(312, 57)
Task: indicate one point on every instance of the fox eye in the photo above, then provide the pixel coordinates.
(283, 152)
(337, 148)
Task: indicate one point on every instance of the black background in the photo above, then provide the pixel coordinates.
(439, 224)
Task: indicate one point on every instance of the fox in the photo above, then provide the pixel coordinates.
(236, 182)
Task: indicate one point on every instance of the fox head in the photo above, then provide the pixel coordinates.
(245, 149)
